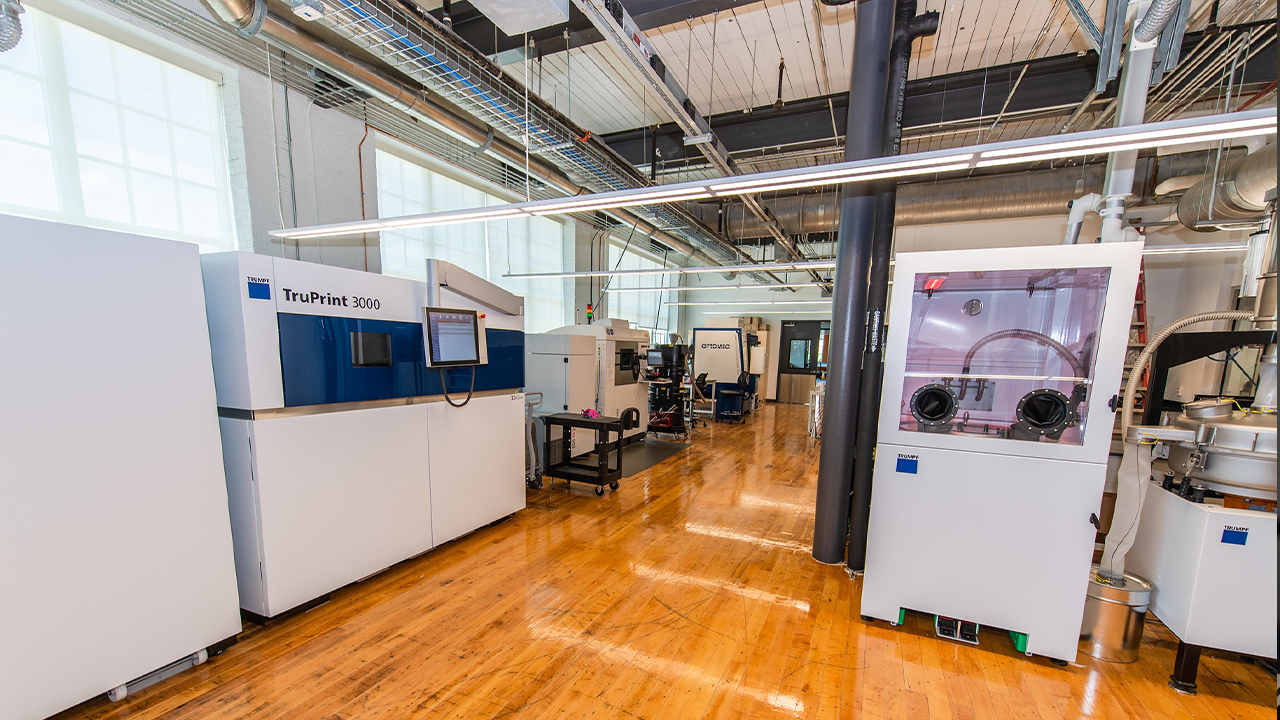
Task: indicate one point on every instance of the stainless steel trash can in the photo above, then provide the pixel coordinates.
(1113, 618)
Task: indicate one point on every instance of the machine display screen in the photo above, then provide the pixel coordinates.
(370, 349)
(452, 337)
(655, 358)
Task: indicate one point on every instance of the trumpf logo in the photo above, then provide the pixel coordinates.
(908, 464)
(1232, 535)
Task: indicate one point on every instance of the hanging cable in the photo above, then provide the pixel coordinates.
(444, 387)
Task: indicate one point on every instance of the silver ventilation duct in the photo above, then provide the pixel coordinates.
(10, 24)
(1239, 194)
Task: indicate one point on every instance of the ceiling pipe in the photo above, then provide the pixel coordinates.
(1239, 195)
(240, 15)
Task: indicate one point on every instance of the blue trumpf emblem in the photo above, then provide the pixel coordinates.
(259, 291)
(1235, 535)
(907, 465)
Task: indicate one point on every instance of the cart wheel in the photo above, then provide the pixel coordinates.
(599, 491)
(613, 485)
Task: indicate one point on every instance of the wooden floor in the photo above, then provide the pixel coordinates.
(689, 593)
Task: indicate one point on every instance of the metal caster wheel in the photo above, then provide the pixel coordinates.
(613, 485)
(599, 491)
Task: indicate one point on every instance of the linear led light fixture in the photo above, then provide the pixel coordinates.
(815, 311)
(1195, 248)
(1132, 141)
(400, 223)
(761, 267)
(739, 303)
(698, 288)
(593, 202)
(1092, 142)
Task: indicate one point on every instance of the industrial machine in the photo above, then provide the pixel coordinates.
(1204, 534)
(365, 419)
(114, 538)
(724, 355)
(562, 368)
(668, 365)
(614, 372)
(1001, 371)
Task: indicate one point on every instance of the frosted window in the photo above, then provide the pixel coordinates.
(644, 310)
(93, 132)
(490, 250)
(27, 179)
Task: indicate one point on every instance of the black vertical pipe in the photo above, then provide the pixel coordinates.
(864, 133)
(907, 27)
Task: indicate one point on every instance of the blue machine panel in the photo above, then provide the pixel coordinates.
(328, 360)
(317, 363)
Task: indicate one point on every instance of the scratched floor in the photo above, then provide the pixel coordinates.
(690, 593)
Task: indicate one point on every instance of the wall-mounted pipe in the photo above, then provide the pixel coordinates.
(1239, 194)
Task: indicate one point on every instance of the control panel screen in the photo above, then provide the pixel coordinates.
(453, 337)
(370, 349)
(655, 358)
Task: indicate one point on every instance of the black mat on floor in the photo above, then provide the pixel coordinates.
(640, 456)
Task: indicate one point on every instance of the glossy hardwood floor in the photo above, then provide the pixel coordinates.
(689, 593)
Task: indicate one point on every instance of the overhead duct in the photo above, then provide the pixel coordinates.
(698, 244)
(1036, 193)
(1239, 194)
(10, 24)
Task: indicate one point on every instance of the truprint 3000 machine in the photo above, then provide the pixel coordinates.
(1001, 368)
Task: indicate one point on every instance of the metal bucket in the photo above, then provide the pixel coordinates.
(1113, 618)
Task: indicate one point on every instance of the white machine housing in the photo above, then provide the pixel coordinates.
(1214, 572)
(114, 538)
(615, 343)
(978, 525)
(324, 491)
(563, 369)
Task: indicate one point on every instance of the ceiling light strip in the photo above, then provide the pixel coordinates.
(740, 303)
(1131, 137)
(760, 267)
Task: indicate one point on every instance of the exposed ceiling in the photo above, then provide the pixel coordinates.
(728, 60)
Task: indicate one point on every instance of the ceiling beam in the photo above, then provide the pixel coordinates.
(1052, 82)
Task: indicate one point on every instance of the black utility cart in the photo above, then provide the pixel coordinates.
(558, 452)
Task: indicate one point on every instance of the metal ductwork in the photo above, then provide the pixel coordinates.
(1238, 195)
(10, 24)
(249, 17)
(1036, 193)
(1158, 15)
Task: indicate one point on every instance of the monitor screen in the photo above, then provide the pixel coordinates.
(452, 337)
(370, 349)
(655, 358)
